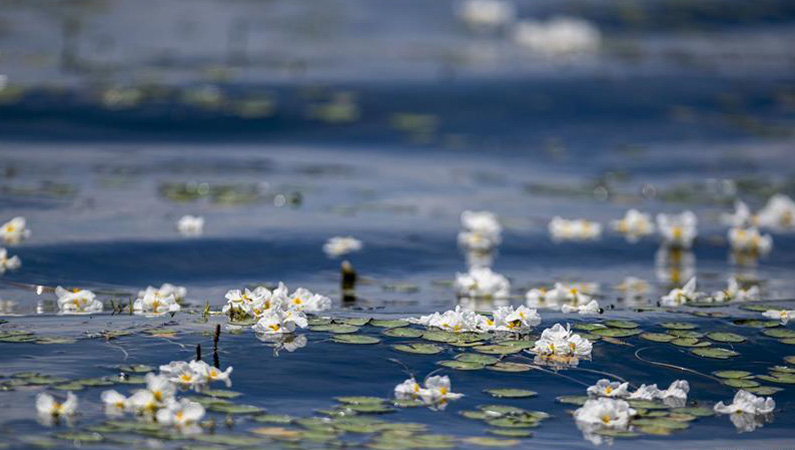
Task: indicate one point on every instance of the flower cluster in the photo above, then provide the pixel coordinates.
(482, 282)
(14, 231)
(573, 295)
(634, 225)
(77, 301)
(559, 344)
(735, 292)
(783, 315)
(436, 391)
(679, 296)
(603, 413)
(486, 14)
(481, 231)
(678, 230)
(178, 292)
(263, 303)
(574, 230)
(504, 319)
(341, 245)
(559, 36)
(675, 396)
(8, 263)
(154, 303)
(587, 309)
(778, 213)
(750, 240)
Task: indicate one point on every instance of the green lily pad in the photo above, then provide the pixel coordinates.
(402, 332)
(621, 324)
(740, 383)
(588, 326)
(758, 307)
(48, 340)
(609, 432)
(647, 404)
(732, 374)
(356, 321)
(491, 442)
(336, 329)
(512, 422)
(371, 408)
(500, 410)
(439, 336)
(422, 349)
(790, 359)
(781, 379)
(697, 411)
(661, 423)
(517, 343)
(70, 387)
(779, 333)
(686, 334)
(231, 408)
(78, 436)
(220, 393)
(475, 415)
(787, 341)
(476, 358)
(510, 432)
(461, 365)
(678, 326)
(509, 367)
(617, 332)
(360, 400)
(657, 337)
(355, 339)
(715, 353)
(389, 323)
(755, 323)
(686, 342)
(764, 390)
(135, 368)
(726, 337)
(578, 400)
(497, 349)
(274, 418)
(510, 393)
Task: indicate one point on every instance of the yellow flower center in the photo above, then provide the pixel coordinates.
(677, 233)
(179, 415)
(158, 395)
(606, 418)
(609, 390)
(274, 327)
(297, 301)
(443, 391)
(416, 387)
(185, 378)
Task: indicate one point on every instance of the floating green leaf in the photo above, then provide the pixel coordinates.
(729, 374)
(510, 393)
(355, 339)
(621, 324)
(678, 326)
(477, 358)
(422, 349)
(509, 367)
(389, 323)
(403, 332)
(726, 337)
(715, 353)
(461, 365)
(657, 337)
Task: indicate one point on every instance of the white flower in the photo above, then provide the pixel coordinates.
(457, 321)
(478, 258)
(559, 36)
(160, 386)
(605, 412)
(679, 296)
(253, 304)
(519, 320)
(182, 413)
(678, 231)
(304, 300)
(341, 245)
(190, 225)
(184, 374)
(77, 301)
(674, 396)
(47, 407)
(781, 314)
(646, 392)
(115, 403)
(6, 263)
(153, 303)
(209, 373)
(179, 292)
(482, 282)
(634, 225)
(734, 292)
(560, 341)
(542, 298)
(745, 422)
(436, 390)
(778, 213)
(486, 14)
(587, 309)
(482, 232)
(14, 231)
(143, 401)
(574, 230)
(741, 217)
(750, 240)
(280, 322)
(748, 403)
(606, 388)
(289, 342)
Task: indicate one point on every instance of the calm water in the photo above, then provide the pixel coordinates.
(388, 142)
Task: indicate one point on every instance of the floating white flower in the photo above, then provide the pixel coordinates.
(783, 315)
(247, 304)
(115, 403)
(740, 218)
(179, 292)
(606, 388)
(210, 374)
(674, 396)
(280, 322)
(304, 300)
(183, 414)
(477, 258)
(6, 263)
(778, 213)
(605, 412)
(678, 230)
(634, 225)
(750, 240)
(559, 36)
(48, 408)
(679, 296)
(77, 301)
(14, 231)
(748, 403)
(519, 320)
(436, 391)
(734, 292)
(481, 282)
(341, 245)
(542, 298)
(143, 401)
(589, 308)
(160, 386)
(574, 230)
(190, 225)
(153, 303)
(560, 345)
(486, 14)
(457, 321)
(482, 232)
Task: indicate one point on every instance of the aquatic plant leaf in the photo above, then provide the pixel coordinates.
(578, 400)
(687, 342)
(497, 349)
(220, 393)
(608, 432)
(678, 326)
(232, 408)
(782, 379)
(422, 349)
(397, 323)
(617, 332)
(764, 390)
(461, 365)
(49, 340)
(360, 400)
(356, 321)
(510, 432)
(715, 353)
(135, 368)
(726, 337)
(779, 333)
(476, 358)
(402, 332)
(755, 323)
(336, 329)
(661, 423)
(439, 336)
(588, 326)
(657, 337)
(510, 393)
(475, 415)
(509, 367)
(686, 334)
(738, 383)
(355, 339)
(621, 324)
(274, 418)
(491, 442)
(728, 374)
(697, 411)
(371, 408)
